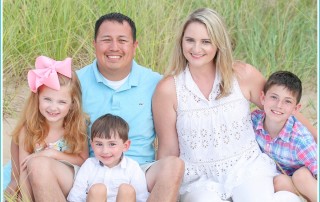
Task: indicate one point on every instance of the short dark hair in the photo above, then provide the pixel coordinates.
(118, 17)
(286, 79)
(110, 125)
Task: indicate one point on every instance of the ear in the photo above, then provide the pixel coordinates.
(91, 142)
(296, 108)
(126, 145)
(262, 98)
(135, 45)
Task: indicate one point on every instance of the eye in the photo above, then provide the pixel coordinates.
(47, 99)
(288, 101)
(122, 40)
(106, 40)
(273, 97)
(112, 144)
(206, 42)
(189, 40)
(99, 144)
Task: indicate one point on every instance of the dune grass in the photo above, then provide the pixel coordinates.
(270, 34)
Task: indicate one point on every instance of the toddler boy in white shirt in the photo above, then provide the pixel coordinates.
(109, 176)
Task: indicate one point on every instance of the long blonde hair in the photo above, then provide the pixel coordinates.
(218, 35)
(36, 128)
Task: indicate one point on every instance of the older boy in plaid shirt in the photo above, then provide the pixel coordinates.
(284, 138)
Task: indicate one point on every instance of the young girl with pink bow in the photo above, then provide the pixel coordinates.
(51, 133)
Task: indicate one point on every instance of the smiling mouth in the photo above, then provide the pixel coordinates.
(197, 55)
(113, 57)
(52, 114)
(276, 112)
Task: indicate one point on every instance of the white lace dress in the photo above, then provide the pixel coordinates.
(216, 138)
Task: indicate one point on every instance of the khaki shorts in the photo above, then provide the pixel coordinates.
(75, 168)
(146, 166)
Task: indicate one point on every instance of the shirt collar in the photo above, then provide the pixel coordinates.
(192, 86)
(123, 163)
(285, 133)
(133, 79)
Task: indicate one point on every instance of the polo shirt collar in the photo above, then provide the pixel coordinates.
(123, 163)
(133, 79)
(284, 133)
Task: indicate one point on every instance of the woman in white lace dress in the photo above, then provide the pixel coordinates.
(202, 114)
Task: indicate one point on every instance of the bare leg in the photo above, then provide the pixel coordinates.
(50, 179)
(97, 193)
(126, 193)
(305, 183)
(12, 189)
(283, 183)
(164, 179)
(25, 188)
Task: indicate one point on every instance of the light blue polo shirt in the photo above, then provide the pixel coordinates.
(132, 102)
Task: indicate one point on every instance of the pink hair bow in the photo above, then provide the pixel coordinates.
(46, 73)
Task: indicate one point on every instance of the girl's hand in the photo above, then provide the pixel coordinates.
(47, 152)
(23, 164)
(51, 153)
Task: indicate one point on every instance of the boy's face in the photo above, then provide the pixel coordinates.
(109, 151)
(279, 104)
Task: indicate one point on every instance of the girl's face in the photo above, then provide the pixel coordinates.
(279, 103)
(54, 105)
(197, 47)
(109, 151)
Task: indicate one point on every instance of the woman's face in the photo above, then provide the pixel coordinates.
(197, 46)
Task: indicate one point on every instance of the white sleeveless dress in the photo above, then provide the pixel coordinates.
(216, 138)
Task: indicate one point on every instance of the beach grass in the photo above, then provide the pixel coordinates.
(270, 34)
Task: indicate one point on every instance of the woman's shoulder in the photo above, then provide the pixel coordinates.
(165, 92)
(244, 70)
(166, 85)
(250, 80)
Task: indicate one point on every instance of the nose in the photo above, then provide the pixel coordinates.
(197, 47)
(105, 149)
(114, 45)
(279, 104)
(53, 106)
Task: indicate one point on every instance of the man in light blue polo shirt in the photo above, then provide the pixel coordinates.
(114, 83)
(131, 101)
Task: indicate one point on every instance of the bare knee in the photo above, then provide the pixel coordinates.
(301, 175)
(127, 189)
(38, 168)
(167, 171)
(98, 190)
(283, 183)
(173, 167)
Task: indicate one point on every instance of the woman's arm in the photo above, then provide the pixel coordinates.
(308, 125)
(164, 103)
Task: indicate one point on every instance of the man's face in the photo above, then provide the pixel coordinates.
(115, 49)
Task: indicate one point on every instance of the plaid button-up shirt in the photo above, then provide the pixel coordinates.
(293, 148)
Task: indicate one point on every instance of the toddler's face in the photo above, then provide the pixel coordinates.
(109, 151)
(279, 103)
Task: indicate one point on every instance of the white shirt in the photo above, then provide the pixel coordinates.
(115, 85)
(92, 172)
